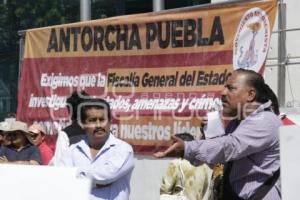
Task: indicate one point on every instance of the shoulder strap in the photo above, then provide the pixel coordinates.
(260, 193)
(263, 190)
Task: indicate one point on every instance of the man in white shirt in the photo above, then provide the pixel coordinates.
(100, 156)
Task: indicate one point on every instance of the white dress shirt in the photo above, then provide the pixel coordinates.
(112, 167)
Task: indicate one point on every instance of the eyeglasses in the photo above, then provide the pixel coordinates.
(33, 135)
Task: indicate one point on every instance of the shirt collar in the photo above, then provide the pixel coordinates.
(262, 107)
(111, 141)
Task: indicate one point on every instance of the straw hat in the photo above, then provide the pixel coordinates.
(4, 126)
(36, 128)
(13, 126)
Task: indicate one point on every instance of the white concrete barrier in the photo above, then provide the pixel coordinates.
(290, 161)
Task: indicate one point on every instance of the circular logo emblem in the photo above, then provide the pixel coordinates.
(251, 42)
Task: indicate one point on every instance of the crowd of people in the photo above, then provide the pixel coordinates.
(248, 151)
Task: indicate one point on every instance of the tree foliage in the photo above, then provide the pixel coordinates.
(18, 15)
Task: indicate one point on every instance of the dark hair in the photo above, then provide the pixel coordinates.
(185, 136)
(273, 98)
(93, 103)
(74, 100)
(263, 92)
(256, 81)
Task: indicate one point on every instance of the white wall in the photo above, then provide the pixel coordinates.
(147, 177)
(289, 162)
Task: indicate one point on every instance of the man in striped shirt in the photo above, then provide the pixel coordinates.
(250, 146)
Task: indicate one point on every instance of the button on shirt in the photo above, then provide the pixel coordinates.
(253, 147)
(111, 167)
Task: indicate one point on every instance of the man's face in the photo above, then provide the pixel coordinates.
(97, 125)
(235, 95)
(18, 138)
(37, 137)
(4, 140)
(1, 136)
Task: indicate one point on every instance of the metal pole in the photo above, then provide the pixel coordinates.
(281, 52)
(85, 10)
(21, 49)
(287, 30)
(158, 5)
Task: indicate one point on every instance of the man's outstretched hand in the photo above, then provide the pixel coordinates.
(175, 150)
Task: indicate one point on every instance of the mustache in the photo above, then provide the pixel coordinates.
(100, 129)
(223, 99)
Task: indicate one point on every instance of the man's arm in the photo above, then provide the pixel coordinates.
(176, 149)
(25, 162)
(252, 135)
(4, 160)
(116, 167)
(34, 158)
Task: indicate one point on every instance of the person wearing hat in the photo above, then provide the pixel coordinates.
(37, 134)
(21, 150)
(3, 140)
(1, 137)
